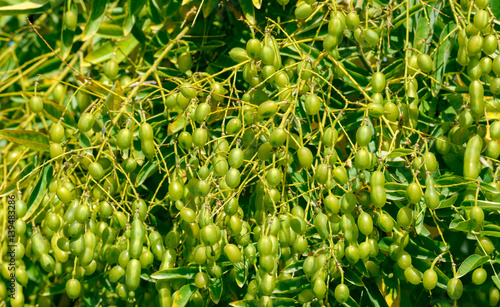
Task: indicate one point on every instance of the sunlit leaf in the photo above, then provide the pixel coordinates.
(182, 296)
(472, 262)
(55, 111)
(25, 7)
(95, 18)
(182, 272)
(29, 139)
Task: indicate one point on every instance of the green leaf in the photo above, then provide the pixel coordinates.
(104, 52)
(15, 181)
(353, 278)
(460, 225)
(399, 152)
(385, 243)
(25, 7)
(85, 143)
(146, 171)
(360, 77)
(147, 278)
(54, 289)
(301, 184)
(138, 34)
(133, 8)
(448, 202)
(422, 30)
(472, 262)
(496, 280)
(248, 10)
(401, 19)
(292, 285)
(376, 297)
(490, 233)
(487, 188)
(241, 274)
(95, 18)
(154, 11)
(66, 42)
(172, 7)
(283, 301)
(484, 204)
(419, 223)
(183, 272)
(492, 227)
(351, 302)
(257, 3)
(183, 295)
(395, 187)
(244, 303)
(215, 288)
(294, 267)
(406, 300)
(442, 56)
(55, 111)
(209, 7)
(108, 30)
(449, 180)
(495, 8)
(416, 249)
(277, 302)
(38, 192)
(177, 125)
(29, 139)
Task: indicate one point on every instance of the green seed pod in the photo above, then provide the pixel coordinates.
(352, 21)
(495, 86)
(471, 157)
(70, 20)
(36, 104)
(335, 26)
(481, 19)
(312, 104)
(371, 37)
(57, 133)
(133, 274)
(425, 63)
(490, 44)
(73, 288)
(184, 62)
(482, 4)
(253, 48)
(454, 288)
(476, 92)
(330, 42)
(238, 54)
(475, 45)
(96, 170)
(303, 11)
(111, 69)
(474, 69)
(486, 65)
(267, 54)
(378, 82)
(462, 56)
(305, 157)
(268, 109)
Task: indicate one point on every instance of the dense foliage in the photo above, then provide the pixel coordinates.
(250, 153)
